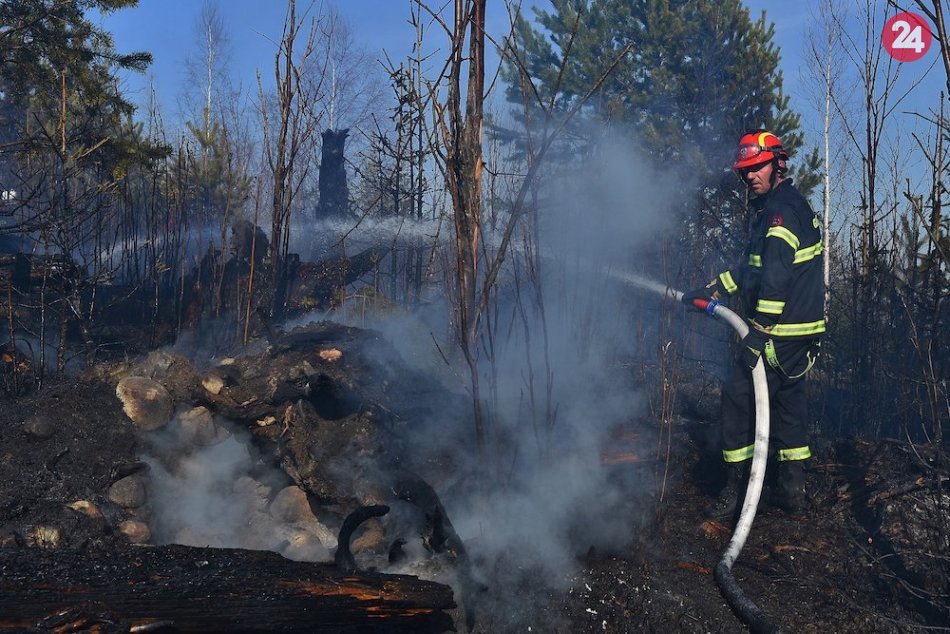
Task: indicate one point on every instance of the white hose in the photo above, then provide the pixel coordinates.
(751, 613)
(761, 448)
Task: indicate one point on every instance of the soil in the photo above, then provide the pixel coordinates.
(870, 553)
(862, 557)
(843, 565)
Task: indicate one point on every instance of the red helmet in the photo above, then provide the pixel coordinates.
(759, 147)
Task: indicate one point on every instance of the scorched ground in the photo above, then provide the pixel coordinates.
(323, 413)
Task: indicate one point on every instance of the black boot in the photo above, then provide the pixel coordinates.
(724, 506)
(791, 486)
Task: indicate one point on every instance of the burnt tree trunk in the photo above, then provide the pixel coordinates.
(463, 168)
(334, 193)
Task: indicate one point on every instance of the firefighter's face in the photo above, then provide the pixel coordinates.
(758, 177)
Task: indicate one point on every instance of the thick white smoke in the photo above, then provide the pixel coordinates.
(575, 340)
(556, 382)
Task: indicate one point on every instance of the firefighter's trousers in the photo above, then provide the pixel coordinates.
(788, 421)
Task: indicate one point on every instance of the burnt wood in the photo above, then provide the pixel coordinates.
(331, 181)
(184, 589)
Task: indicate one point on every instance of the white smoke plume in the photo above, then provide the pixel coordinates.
(556, 379)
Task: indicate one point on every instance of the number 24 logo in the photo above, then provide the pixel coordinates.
(906, 36)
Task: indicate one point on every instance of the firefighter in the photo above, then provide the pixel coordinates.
(781, 285)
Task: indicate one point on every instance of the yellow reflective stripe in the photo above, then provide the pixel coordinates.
(770, 307)
(808, 253)
(738, 455)
(784, 234)
(728, 283)
(798, 330)
(770, 355)
(794, 453)
(755, 260)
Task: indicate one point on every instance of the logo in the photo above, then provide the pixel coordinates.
(907, 37)
(776, 221)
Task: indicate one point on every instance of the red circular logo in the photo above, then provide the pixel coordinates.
(907, 37)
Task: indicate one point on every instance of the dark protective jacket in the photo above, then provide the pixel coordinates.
(782, 277)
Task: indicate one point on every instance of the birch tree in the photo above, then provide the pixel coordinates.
(289, 122)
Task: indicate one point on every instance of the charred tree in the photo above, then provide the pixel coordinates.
(334, 193)
(463, 175)
(289, 121)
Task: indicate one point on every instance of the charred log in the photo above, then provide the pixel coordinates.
(320, 284)
(186, 589)
(442, 537)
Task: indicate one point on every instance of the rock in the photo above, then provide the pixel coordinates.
(303, 371)
(267, 420)
(213, 383)
(39, 426)
(42, 536)
(291, 505)
(372, 538)
(291, 509)
(137, 532)
(331, 354)
(319, 530)
(128, 492)
(199, 428)
(158, 363)
(146, 402)
(304, 546)
(87, 508)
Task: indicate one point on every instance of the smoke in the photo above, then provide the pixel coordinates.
(557, 380)
(317, 240)
(571, 354)
(556, 359)
(209, 488)
(196, 494)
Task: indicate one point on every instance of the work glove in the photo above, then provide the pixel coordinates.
(708, 293)
(752, 346)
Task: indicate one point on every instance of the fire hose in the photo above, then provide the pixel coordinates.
(748, 611)
(755, 618)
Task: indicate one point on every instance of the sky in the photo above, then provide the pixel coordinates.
(167, 29)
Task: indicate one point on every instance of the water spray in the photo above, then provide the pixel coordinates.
(757, 620)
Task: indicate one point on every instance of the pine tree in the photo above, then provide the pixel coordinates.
(699, 75)
(66, 133)
(59, 104)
